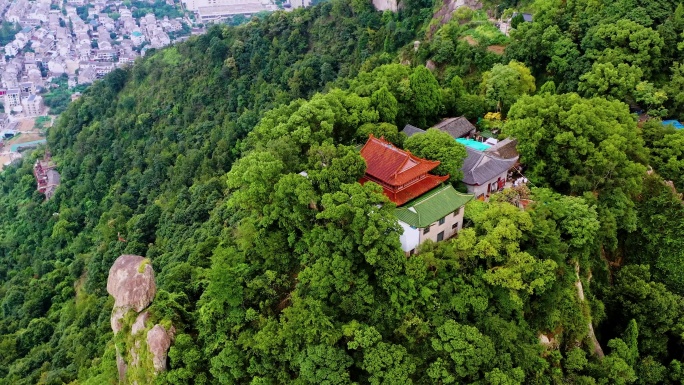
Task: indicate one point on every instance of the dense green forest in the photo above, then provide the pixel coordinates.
(194, 156)
(8, 31)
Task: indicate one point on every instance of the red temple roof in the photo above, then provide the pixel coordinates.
(403, 176)
(413, 191)
(393, 165)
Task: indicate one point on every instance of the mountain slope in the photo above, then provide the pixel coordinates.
(142, 154)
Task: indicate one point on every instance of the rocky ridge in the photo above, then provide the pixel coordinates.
(131, 283)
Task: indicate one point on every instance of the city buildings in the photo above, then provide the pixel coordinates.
(83, 46)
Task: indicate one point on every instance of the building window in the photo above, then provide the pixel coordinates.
(440, 236)
(455, 226)
(426, 230)
(441, 221)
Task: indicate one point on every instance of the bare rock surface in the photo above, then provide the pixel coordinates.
(386, 5)
(139, 324)
(131, 282)
(598, 351)
(135, 358)
(449, 7)
(117, 315)
(158, 342)
(548, 341)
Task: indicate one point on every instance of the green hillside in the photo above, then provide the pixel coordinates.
(191, 158)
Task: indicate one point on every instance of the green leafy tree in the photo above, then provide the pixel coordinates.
(548, 88)
(601, 157)
(667, 157)
(386, 105)
(674, 89)
(427, 97)
(439, 145)
(471, 106)
(504, 84)
(627, 42)
(464, 354)
(382, 130)
(608, 80)
(323, 364)
(517, 20)
(652, 98)
(656, 310)
(658, 241)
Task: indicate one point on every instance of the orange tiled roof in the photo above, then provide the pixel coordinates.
(393, 165)
(413, 191)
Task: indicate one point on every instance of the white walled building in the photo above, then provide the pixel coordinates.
(300, 3)
(436, 215)
(12, 98)
(33, 105)
(137, 37)
(214, 10)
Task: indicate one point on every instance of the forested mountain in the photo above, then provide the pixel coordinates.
(192, 159)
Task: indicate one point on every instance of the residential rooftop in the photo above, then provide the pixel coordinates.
(432, 206)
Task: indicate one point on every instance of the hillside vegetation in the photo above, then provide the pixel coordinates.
(194, 154)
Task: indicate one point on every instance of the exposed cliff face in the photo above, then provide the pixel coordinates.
(140, 344)
(447, 10)
(386, 5)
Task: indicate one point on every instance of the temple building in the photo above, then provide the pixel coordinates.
(426, 207)
(402, 175)
(47, 178)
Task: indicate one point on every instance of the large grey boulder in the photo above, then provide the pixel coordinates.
(386, 5)
(158, 342)
(131, 282)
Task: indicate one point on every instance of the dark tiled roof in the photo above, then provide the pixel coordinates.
(456, 127)
(53, 177)
(391, 165)
(410, 130)
(504, 149)
(479, 167)
(526, 16)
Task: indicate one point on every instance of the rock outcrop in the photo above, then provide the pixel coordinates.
(592, 336)
(131, 283)
(386, 5)
(139, 324)
(449, 7)
(158, 343)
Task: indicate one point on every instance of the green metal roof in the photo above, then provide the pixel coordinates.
(486, 134)
(431, 206)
